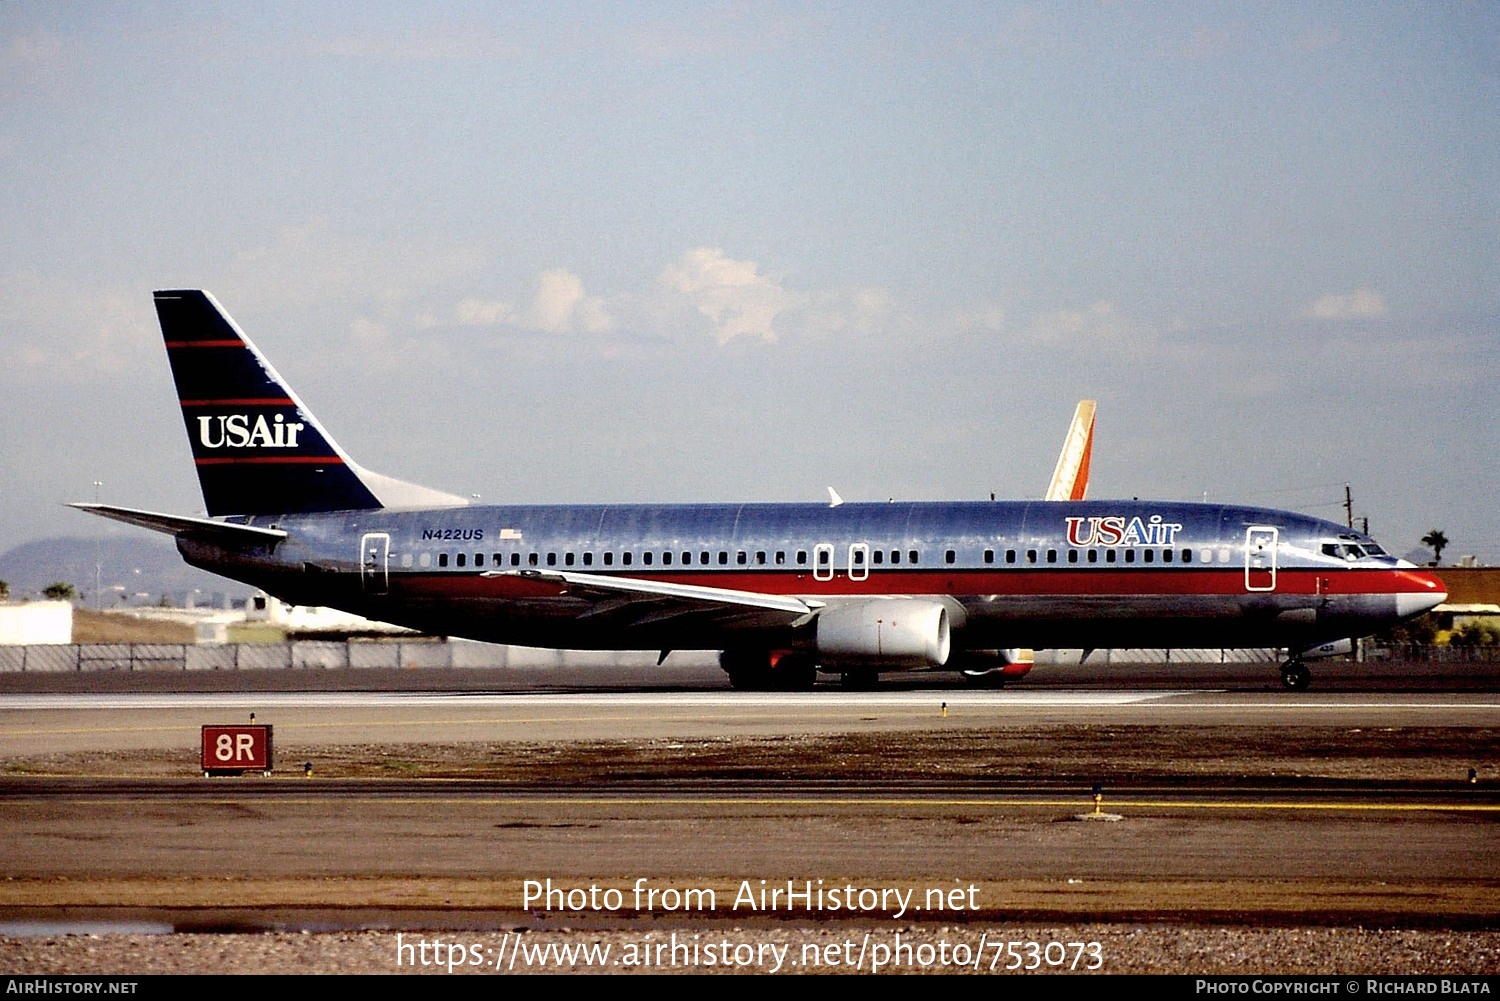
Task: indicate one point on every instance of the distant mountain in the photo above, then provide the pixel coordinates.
(132, 570)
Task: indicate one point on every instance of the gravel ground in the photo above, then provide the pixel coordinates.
(1135, 949)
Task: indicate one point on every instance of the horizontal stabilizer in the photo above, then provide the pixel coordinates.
(174, 524)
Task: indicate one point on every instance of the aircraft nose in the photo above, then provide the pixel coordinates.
(1421, 591)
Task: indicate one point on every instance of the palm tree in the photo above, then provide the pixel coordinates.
(1437, 541)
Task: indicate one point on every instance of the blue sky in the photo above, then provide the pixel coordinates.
(697, 251)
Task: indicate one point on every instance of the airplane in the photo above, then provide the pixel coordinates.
(783, 590)
(1070, 480)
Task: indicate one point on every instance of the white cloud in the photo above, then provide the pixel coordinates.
(732, 294)
(985, 316)
(558, 307)
(483, 312)
(561, 307)
(69, 333)
(314, 263)
(1361, 303)
(1100, 325)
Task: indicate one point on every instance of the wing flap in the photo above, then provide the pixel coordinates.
(656, 601)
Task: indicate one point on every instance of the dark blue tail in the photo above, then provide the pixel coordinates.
(258, 449)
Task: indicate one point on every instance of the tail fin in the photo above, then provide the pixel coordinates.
(258, 449)
(1070, 480)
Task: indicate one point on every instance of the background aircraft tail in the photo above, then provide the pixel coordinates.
(257, 447)
(1070, 480)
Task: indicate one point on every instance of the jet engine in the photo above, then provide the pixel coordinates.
(886, 632)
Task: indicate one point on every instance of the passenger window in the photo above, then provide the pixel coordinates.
(552, 559)
(462, 560)
(989, 556)
(1052, 556)
(568, 558)
(1093, 556)
(877, 557)
(895, 556)
(1130, 556)
(406, 560)
(479, 559)
(1031, 556)
(588, 559)
(949, 556)
(646, 557)
(515, 559)
(609, 559)
(723, 558)
(425, 559)
(666, 559)
(625, 559)
(703, 557)
(1166, 556)
(1109, 556)
(1072, 556)
(780, 557)
(760, 557)
(687, 558)
(740, 558)
(1010, 556)
(911, 556)
(1147, 555)
(531, 558)
(442, 559)
(499, 559)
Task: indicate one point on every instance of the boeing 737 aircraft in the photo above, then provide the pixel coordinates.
(783, 590)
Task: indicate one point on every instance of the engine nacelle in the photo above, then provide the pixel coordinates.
(890, 633)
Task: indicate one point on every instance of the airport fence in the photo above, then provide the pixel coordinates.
(312, 655)
(320, 655)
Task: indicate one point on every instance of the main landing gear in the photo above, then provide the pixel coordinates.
(768, 670)
(1295, 676)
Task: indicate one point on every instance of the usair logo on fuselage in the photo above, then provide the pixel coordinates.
(1121, 531)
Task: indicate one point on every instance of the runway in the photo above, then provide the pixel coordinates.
(80, 723)
(422, 809)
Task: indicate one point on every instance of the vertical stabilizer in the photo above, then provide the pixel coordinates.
(257, 448)
(1070, 480)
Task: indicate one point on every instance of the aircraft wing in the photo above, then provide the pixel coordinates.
(175, 524)
(653, 601)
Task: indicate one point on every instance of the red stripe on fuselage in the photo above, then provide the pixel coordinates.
(997, 583)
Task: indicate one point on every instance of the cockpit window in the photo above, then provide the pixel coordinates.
(1351, 550)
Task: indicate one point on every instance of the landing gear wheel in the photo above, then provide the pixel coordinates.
(761, 671)
(1295, 676)
(794, 673)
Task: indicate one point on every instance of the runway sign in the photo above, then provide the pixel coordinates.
(234, 750)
